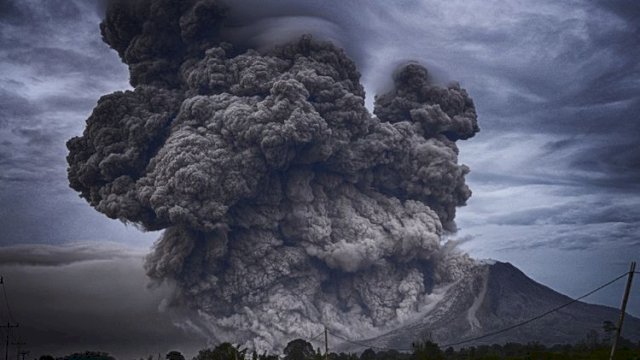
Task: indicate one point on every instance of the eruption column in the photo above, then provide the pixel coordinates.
(285, 203)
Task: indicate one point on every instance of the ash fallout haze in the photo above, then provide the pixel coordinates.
(270, 168)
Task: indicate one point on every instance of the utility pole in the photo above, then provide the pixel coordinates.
(9, 326)
(326, 344)
(623, 308)
(18, 345)
(24, 353)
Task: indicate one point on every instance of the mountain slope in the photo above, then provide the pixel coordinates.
(494, 296)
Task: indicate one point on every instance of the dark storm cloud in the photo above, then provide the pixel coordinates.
(12, 13)
(13, 106)
(595, 163)
(45, 61)
(610, 142)
(27, 23)
(574, 213)
(43, 212)
(257, 24)
(48, 50)
(21, 12)
(36, 108)
(594, 56)
(595, 236)
(567, 72)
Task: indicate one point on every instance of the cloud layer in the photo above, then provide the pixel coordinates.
(81, 297)
(556, 85)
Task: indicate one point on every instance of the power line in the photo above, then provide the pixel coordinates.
(9, 326)
(503, 330)
(6, 299)
(18, 345)
(315, 337)
(2, 309)
(10, 335)
(367, 345)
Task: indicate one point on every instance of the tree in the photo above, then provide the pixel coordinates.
(89, 355)
(265, 356)
(592, 339)
(174, 355)
(298, 349)
(609, 330)
(368, 354)
(427, 350)
(224, 351)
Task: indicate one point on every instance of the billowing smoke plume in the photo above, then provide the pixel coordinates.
(286, 204)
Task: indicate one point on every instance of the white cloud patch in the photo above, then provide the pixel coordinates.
(68, 254)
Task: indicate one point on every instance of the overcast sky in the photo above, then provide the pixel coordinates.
(555, 170)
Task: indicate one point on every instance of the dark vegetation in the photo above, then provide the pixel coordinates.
(590, 348)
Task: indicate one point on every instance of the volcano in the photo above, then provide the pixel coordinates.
(493, 296)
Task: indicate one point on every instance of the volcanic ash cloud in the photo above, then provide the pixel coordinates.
(286, 205)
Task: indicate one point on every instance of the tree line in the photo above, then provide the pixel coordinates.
(589, 348)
